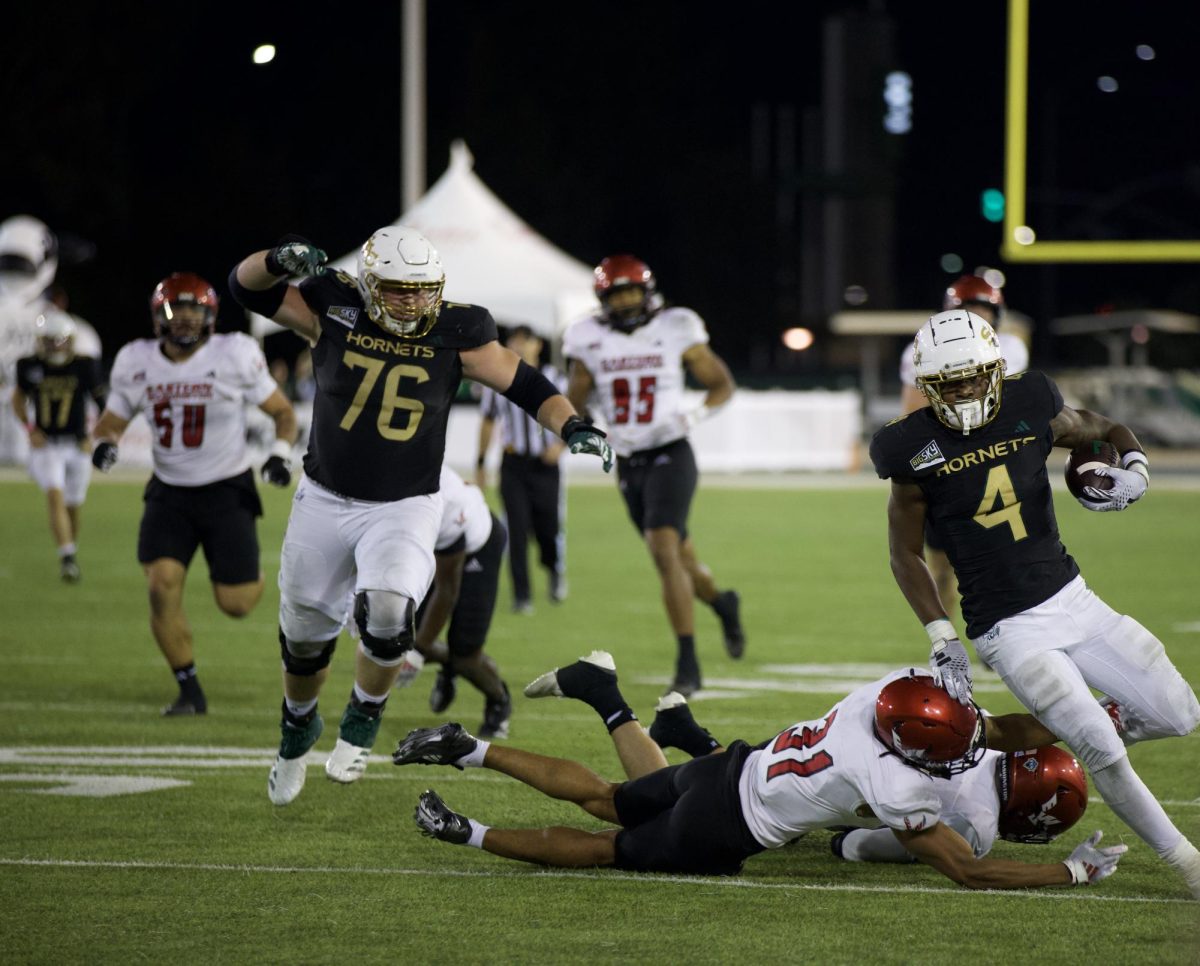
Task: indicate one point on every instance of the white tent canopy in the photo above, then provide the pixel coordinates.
(492, 257)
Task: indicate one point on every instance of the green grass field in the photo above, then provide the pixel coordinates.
(208, 870)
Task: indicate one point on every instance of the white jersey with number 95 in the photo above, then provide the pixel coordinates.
(639, 376)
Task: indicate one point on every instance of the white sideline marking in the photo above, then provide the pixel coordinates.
(599, 876)
(1192, 627)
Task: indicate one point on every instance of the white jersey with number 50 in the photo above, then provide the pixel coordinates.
(196, 407)
(835, 771)
(639, 375)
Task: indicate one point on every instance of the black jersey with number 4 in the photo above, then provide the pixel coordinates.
(58, 393)
(988, 498)
(382, 403)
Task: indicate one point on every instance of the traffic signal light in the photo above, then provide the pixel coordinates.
(991, 204)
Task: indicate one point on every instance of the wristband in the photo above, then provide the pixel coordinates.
(273, 266)
(940, 630)
(1135, 461)
(282, 448)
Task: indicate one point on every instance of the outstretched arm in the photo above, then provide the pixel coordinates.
(943, 849)
(257, 283)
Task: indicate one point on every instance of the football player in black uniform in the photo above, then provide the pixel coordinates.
(56, 383)
(388, 354)
(976, 470)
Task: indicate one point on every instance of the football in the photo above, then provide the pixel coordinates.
(1083, 463)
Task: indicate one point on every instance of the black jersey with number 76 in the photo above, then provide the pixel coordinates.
(988, 498)
(382, 402)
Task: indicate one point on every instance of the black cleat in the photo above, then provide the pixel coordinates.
(687, 678)
(443, 745)
(183, 707)
(444, 689)
(435, 819)
(674, 727)
(495, 717)
(728, 606)
(598, 669)
(68, 569)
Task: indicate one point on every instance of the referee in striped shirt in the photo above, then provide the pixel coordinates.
(530, 480)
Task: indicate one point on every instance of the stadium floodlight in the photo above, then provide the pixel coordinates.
(1020, 242)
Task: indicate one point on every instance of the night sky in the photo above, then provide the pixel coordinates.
(144, 135)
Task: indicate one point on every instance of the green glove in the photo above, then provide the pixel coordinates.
(296, 257)
(582, 437)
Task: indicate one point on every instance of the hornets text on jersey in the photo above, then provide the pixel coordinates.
(379, 416)
(58, 393)
(988, 498)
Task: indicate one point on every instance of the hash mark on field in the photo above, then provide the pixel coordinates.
(602, 876)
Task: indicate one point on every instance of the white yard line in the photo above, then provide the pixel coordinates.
(599, 876)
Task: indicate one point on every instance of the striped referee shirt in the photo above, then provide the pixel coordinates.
(520, 433)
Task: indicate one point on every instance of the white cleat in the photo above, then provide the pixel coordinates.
(286, 780)
(346, 762)
(672, 699)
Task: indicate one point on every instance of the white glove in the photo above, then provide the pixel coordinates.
(410, 667)
(948, 660)
(1130, 482)
(1089, 864)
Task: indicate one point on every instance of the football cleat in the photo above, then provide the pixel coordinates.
(558, 588)
(575, 680)
(687, 677)
(728, 608)
(356, 736)
(495, 717)
(435, 819)
(443, 692)
(68, 570)
(674, 727)
(183, 707)
(443, 745)
(287, 774)
(522, 607)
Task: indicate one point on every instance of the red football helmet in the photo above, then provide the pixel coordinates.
(970, 291)
(620, 272)
(926, 727)
(183, 290)
(1042, 794)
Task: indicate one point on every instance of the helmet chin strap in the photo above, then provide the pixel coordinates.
(970, 415)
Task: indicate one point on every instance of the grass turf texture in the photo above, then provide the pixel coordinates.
(212, 870)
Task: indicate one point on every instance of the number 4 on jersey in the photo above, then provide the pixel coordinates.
(999, 487)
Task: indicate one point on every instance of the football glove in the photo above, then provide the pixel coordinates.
(948, 660)
(277, 470)
(104, 455)
(296, 256)
(1129, 486)
(1089, 864)
(582, 437)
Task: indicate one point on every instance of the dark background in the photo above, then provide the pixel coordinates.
(688, 133)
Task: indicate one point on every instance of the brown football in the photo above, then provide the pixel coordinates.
(1083, 463)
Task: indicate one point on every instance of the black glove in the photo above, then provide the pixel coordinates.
(582, 437)
(296, 256)
(104, 455)
(277, 471)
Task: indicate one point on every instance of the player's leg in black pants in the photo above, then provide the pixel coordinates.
(514, 492)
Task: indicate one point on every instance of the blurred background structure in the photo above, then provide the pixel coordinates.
(779, 166)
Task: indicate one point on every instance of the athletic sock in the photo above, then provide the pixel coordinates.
(474, 757)
(189, 686)
(687, 648)
(478, 831)
(299, 713)
(67, 550)
(369, 704)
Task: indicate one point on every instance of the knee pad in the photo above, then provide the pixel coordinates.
(1063, 703)
(305, 658)
(386, 625)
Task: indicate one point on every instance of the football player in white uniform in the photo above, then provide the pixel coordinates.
(50, 400)
(977, 295)
(193, 387)
(469, 552)
(28, 264)
(629, 359)
(874, 760)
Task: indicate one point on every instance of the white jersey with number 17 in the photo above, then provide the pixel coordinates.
(639, 375)
(196, 407)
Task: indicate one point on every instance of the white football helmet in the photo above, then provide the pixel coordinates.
(953, 346)
(28, 257)
(54, 331)
(400, 277)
